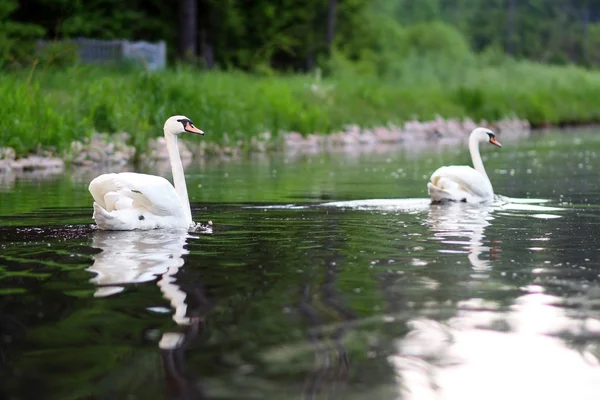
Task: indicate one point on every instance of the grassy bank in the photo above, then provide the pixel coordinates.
(53, 107)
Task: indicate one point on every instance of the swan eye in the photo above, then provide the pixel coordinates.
(185, 122)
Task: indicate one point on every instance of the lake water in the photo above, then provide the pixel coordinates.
(293, 297)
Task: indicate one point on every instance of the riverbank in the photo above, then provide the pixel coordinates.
(318, 151)
(113, 151)
(59, 113)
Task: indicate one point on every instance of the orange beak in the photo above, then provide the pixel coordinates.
(192, 129)
(494, 141)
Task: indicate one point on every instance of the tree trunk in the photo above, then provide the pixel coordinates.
(310, 59)
(510, 28)
(331, 24)
(206, 50)
(187, 28)
(586, 33)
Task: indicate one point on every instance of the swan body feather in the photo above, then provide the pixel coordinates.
(461, 182)
(128, 201)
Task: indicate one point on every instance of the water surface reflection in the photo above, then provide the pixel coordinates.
(452, 222)
(387, 298)
(134, 257)
(491, 349)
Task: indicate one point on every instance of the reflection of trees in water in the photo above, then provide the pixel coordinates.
(27, 256)
(259, 345)
(73, 345)
(246, 318)
(238, 345)
(180, 383)
(11, 330)
(331, 361)
(349, 347)
(248, 273)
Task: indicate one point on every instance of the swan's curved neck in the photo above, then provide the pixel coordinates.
(178, 175)
(476, 157)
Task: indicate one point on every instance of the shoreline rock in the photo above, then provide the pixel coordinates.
(413, 131)
(102, 150)
(46, 162)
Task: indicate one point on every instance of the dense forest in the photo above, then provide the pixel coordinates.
(300, 34)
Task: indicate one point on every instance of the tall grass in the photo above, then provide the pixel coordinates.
(51, 108)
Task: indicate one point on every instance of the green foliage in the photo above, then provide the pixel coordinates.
(377, 49)
(592, 46)
(57, 54)
(292, 34)
(16, 39)
(254, 36)
(440, 39)
(54, 107)
(391, 60)
(389, 50)
(543, 30)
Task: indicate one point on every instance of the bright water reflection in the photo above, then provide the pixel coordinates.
(296, 297)
(493, 352)
(474, 353)
(465, 226)
(136, 257)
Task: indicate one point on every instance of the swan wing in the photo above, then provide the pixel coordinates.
(131, 190)
(462, 178)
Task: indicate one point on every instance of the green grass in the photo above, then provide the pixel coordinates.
(50, 108)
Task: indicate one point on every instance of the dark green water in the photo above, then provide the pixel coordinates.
(290, 298)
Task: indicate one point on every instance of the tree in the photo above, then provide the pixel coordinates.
(510, 27)
(331, 24)
(187, 28)
(11, 48)
(261, 35)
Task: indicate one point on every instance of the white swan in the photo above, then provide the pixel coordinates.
(461, 182)
(128, 201)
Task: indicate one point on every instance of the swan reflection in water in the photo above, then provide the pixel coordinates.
(465, 357)
(132, 257)
(463, 224)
